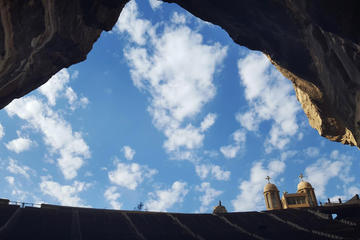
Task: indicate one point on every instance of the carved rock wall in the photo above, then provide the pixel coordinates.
(314, 43)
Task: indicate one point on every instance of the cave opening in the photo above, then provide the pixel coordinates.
(167, 111)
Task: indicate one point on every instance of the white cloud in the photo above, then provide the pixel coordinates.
(323, 170)
(56, 84)
(2, 133)
(74, 101)
(155, 4)
(203, 170)
(19, 145)
(270, 97)
(130, 23)
(208, 121)
(188, 137)
(248, 120)
(57, 133)
(16, 168)
(10, 180)
(209, 195)
(112, 196)
(230, 151)
(66, 195)
(178, 18)
(251, 197)
(312, 152)
(162, 200)
(179, 88)
(70, 95)
(130, 175)
(128, 152)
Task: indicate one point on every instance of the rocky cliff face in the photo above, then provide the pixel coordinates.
(314, 43)
(38, 38)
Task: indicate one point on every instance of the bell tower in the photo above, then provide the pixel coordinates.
(271, 195)
(308, 190)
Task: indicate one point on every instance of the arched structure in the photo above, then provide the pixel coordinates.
(271, 195)
(304, 197)
(306, 188)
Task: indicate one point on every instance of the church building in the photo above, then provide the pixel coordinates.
(304, 197)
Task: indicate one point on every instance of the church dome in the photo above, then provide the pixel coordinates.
(219, 209)
(270, 187)
(303, 185)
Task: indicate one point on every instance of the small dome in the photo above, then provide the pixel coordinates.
(270, 187)
(303, 185)
(219, 209)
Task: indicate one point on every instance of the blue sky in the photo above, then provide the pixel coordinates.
(168, 111)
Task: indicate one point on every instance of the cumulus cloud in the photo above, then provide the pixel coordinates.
(19, 145)
(128, 152)
(155, 4)
(162, 200)
(325, 169)
(215, 171)
(251, 197)
(130, 175)
(130, 23)
(270, 97)
(57, 133)
(230, 151)
(57, 86)
(209, 195)
(16, 168)
(112, 196)
(179, 88)
(67, 195)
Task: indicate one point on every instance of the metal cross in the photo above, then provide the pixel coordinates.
(301, 176)
(268, 178)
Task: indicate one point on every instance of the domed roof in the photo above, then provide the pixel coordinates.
(270, 187)
(303, 185)
(219, 209)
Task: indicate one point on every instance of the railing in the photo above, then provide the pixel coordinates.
(25, 204)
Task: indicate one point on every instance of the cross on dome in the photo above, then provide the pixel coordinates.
(301, 176)
(268, 178)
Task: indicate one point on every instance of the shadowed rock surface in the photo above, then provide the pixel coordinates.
(314, 43)
(56, 222)
(39, 38)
